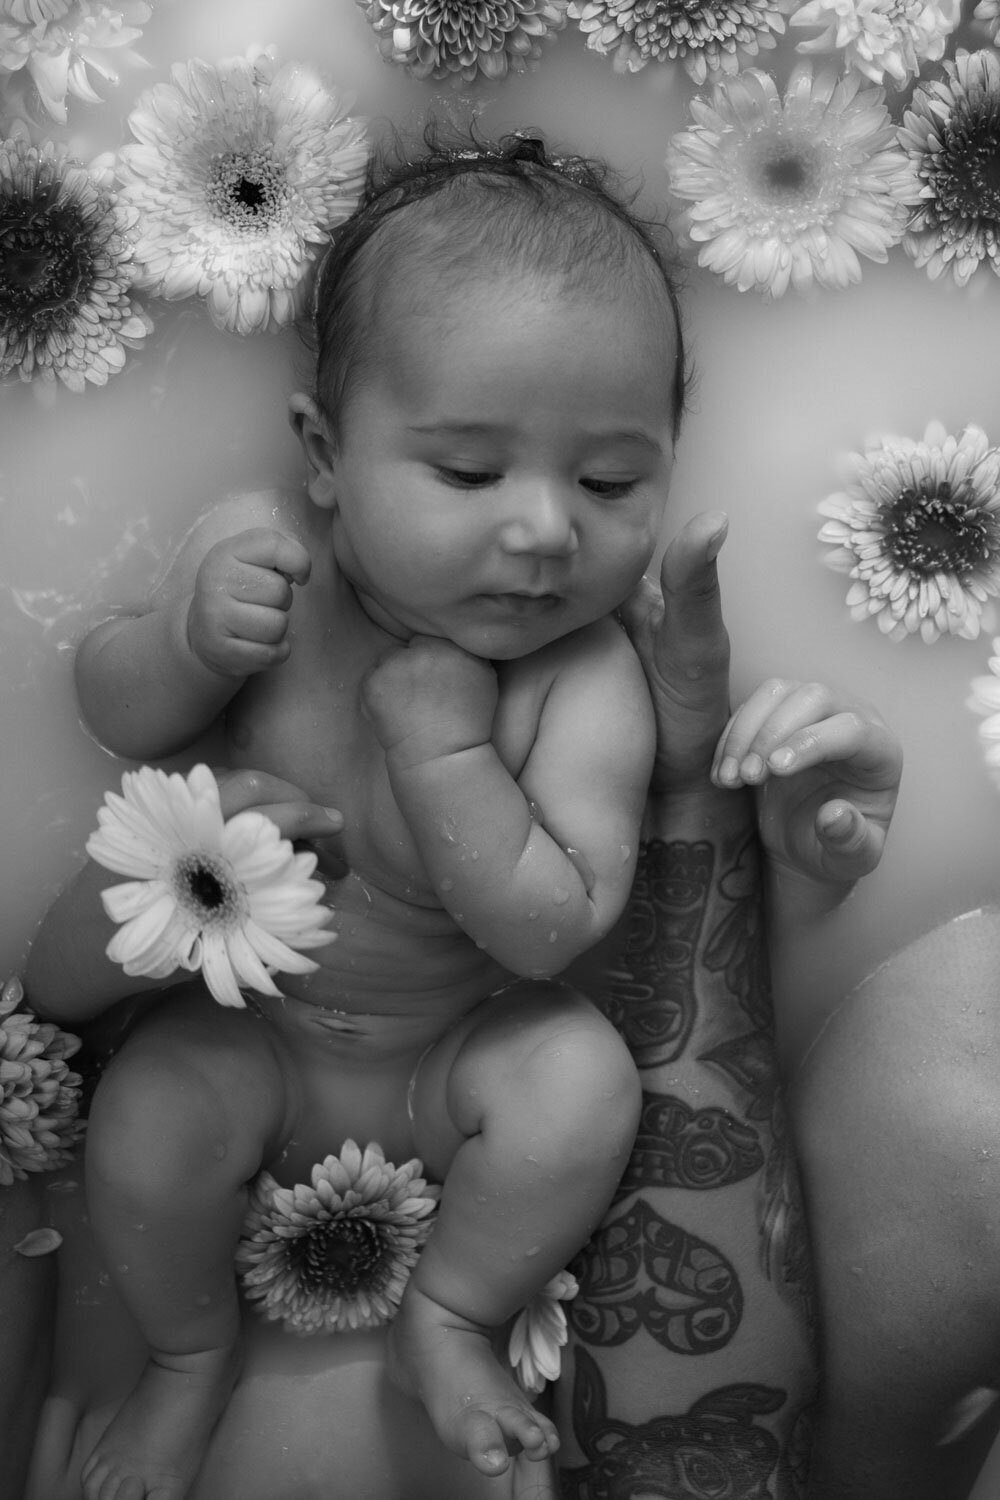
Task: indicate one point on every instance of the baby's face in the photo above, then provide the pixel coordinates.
(503, 464)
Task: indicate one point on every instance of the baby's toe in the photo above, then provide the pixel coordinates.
(483, 1441)
(535, 1434)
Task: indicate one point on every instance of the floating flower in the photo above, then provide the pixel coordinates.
(952, 133)
(229, 897)
(39, 1096)
(241, 171)
(336, 1254)
(790, 191)
(539, 1333)
(707, 36)
(463, 39)
(988, 12)
(985, 700)
(66, 309)
(879, 37)
(59, 43)
(918, 530)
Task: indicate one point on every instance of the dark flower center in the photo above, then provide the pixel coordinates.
(48, 262)
(929, 531)
(246, 188)
(250, 194)
(965, 174)
(338, 1256)
(785, 173)
(205, 887)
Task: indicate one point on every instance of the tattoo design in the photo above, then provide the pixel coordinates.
(714, 1451)
(680, 1147)
(641, 1271)
(651, 989)
(737, 948)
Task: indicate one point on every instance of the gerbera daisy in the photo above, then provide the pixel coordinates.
(464, 39)
(791, 190)
(39, 1096)
(985, 700)
(229, 897)
(539, 1333)
(241, 171)
(65, 294)
(59, 43)
(707, 36)
(952, 134)
(336, 1254)
(918, 530)
(879, 37)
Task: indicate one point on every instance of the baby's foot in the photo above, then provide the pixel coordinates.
(474, 1404)
(153, 1448)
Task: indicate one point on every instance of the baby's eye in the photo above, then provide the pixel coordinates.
(609, 489)
(465, 479)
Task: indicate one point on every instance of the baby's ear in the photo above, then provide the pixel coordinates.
(317, 445)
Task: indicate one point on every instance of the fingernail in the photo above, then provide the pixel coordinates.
(752, 767)
(335, 816)
(779, 759)
(729, 770)
(841, 825)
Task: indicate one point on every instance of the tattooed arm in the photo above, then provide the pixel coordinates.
(689, 1370)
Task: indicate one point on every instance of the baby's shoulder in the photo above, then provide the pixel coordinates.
(598, 662)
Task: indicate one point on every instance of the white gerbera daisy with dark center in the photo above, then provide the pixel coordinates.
(58, 44)
(790, 191)
(230, 897)
(706, 36)
(336, 1253)
(952, 134)
(240, 173)
(918, 530)
(881, 38)
(66, 307)
(464, 39)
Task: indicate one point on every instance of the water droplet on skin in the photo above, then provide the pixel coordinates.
(533, 1159)
(481, 1198)
(447, 885)
(560, 895)
(553, 936)
(532, 916)
(533, 1251)
(474, 854)
(626, 853)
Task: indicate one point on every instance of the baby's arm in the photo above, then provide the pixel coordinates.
(536, 869)
(150, 684)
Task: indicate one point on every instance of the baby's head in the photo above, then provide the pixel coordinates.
(460, 212)
(500, 381)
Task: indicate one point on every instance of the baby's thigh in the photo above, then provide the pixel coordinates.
(193, 1085)
(536, 1063)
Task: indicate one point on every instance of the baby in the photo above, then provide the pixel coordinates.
(425, 640)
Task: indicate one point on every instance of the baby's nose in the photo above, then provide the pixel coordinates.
(543, 522)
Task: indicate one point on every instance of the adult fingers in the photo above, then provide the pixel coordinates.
(692, 641)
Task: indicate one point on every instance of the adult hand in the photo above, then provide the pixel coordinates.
(297, 817)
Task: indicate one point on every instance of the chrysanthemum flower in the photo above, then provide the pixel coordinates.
(39, 1096)
(336, 1254)
(707, 36)
(241, 171)
(59, 43)
(918, 530)
(66, 308)
(791, 191)
(539, 1333)
(229, 897)
(881, 37)
(464, 39)
(985, 700)
(952, 134)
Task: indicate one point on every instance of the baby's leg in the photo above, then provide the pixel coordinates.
(178, 1127)
(542, 1104)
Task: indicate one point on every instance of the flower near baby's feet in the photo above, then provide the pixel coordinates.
(706, 36)
(39, 1095)
(338, 1253)
(985, 700)
(952, 135)
(60, 44)
(918, 530)
(790, 191)
(240, 172)
(539, 1333)
(227, 896)
(880, 38)
(66, 306)
(464, 39)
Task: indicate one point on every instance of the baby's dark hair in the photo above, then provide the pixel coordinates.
(544, 213)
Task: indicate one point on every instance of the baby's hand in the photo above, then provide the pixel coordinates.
(430, 699)
(827, 773)
(296, 816)
(238, 615)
